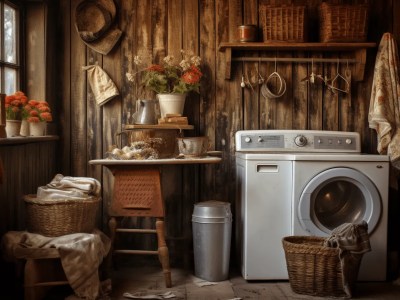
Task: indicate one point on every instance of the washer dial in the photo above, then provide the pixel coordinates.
(300, 140)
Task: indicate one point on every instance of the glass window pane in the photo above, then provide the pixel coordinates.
(10, 37)
(10, 81)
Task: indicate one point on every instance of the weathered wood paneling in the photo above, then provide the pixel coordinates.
(153, 29)
(26, 166)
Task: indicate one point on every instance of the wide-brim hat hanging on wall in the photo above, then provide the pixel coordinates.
(94, 22)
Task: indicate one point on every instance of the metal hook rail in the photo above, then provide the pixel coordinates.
(358, 50)
(296, 60)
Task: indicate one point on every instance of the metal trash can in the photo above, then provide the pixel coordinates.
(212, 226)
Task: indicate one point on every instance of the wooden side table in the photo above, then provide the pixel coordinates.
(138, 192)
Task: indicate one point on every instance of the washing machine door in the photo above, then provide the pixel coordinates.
(336, 196)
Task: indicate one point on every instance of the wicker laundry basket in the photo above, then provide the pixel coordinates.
(283, 23)
(343, 23)
(60, 216)
(316, 270)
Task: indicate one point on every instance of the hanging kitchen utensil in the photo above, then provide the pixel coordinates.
(336, 82)
(266, 91)
(347, 75)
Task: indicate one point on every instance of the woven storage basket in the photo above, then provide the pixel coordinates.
(283, 23)
(343, 23)
(314, 269)
(60, 216)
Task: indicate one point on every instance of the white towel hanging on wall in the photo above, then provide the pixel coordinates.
(384, 110)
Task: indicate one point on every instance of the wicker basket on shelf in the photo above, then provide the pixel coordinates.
(343, 23)
(315, 269)
(283, 23)
(58, 217)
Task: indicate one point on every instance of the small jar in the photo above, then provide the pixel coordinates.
(247, 33)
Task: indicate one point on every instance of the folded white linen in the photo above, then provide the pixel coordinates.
(69, 187)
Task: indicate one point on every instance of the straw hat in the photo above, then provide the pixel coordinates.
(93, 21)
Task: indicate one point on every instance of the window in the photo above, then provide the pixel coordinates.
(9, 54)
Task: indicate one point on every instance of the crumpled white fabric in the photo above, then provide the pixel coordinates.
(81, 255)
(352, 241)
(103, 88)
(384, 110)
(141, 295)
(69, 187)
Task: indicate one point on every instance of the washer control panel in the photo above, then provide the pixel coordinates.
(297, 141)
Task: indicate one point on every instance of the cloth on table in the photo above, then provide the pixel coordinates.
(80, 253)
(352, 241)
(69, 187)
(384, 109)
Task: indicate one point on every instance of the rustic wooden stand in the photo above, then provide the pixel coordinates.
(137, 192)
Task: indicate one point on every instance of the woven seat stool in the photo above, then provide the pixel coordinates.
(137, 193)
(42, 271)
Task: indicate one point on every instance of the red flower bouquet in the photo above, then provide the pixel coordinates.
(169, 77)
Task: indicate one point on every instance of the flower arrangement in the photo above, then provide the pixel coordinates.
(37, 111)
(169, 77)
(14, 104)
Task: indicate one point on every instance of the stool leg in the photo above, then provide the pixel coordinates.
(163, 252)
(31, 277)
(112, 226)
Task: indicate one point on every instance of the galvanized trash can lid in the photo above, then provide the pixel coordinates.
(212, 212)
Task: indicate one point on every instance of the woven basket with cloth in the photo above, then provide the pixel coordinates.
(320, 266)
(64, 206)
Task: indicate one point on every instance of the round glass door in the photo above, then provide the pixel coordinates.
(338, 196)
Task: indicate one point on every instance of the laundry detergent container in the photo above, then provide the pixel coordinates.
(212, 226)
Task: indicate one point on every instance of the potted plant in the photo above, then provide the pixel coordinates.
(37, 114)
(13, 106)
(171, 81)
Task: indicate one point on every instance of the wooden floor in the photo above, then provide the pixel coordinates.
(149, 281)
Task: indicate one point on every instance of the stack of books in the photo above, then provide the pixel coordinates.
(173, 119)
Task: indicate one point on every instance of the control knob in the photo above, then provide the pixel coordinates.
(348, 141)
(247, 139)
(300, 140)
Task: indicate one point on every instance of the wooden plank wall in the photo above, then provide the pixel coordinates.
(26, 166)
(160, 27)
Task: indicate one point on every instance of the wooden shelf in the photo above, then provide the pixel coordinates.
(158, 126)
(359, 50)
(28, 139)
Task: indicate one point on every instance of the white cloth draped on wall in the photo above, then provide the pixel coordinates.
(384, 110)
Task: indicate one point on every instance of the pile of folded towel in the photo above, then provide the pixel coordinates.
(69, 187)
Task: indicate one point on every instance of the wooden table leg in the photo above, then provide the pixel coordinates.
(112, 226)
(163, 252)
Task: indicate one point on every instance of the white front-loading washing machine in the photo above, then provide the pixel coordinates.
(292, 182)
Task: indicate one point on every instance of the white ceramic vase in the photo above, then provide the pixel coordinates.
(13, 127)
(171, 103)
(24, 128)
(37, 129)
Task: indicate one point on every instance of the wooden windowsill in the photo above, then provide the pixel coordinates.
(26, 140)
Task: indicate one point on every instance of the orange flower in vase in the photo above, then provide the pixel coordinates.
(13, 109)
(37, 114)
(14, 104)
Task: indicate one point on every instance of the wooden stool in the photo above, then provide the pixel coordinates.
(42, 271)
(137, 193)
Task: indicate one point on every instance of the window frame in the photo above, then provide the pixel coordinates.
(17, 66)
